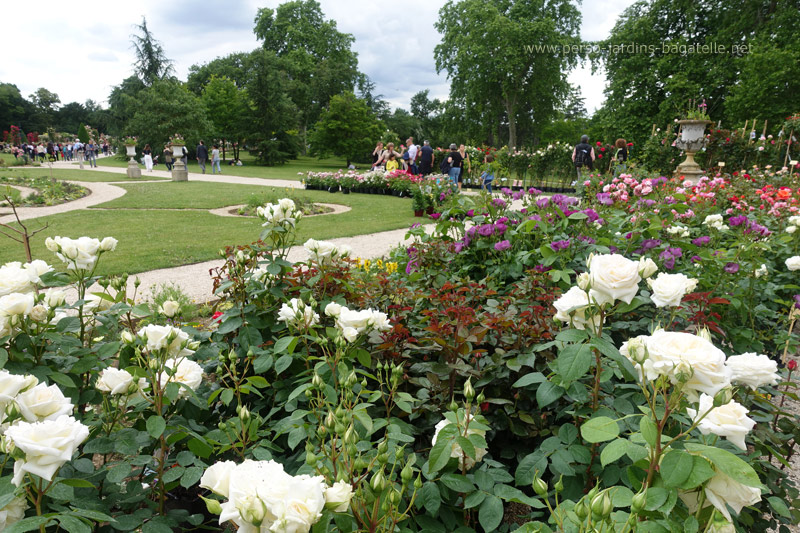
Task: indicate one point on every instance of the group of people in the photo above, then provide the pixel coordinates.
(583, 156)
(201, 153)
(421, 159)
(69, 151)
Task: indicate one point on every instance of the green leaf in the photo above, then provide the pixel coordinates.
(458, 483)
(529, 466)
(440, 454)
(118, 473)
(547, 393)
(74, 482)
(191, 476)
(728, 463)
(779, 506)
(156, 426)
(613, 451)
(430, 497)
(31, 523)
(285, 344)
(676, 467)
(599, 429)
(364, 358)
(656, 497)
(62, 379)
(572, 335)
(649, 430)
(173, 474)
(231, 324)
(474, 499)
(284, 362)
(70, 524)
(530, 379)
(491, 513)
(574, 361)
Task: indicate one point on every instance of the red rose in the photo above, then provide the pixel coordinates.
(485, 405)
(602, 149)
(792, 365)
(630, 144)
(599, 143)
(599, 156)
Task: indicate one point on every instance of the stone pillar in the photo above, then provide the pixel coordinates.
(179, 172)
(133, 167)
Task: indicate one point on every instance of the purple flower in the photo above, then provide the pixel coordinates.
(502, 220)
(416, 225)
(701, 241)
(649, 244)
(471, 213)
(604, 198)
(502, 245)
(613, 249)
(696, 259)
(732, 268)
(485, 229)
(592, 214)
(500, 228)
(797, 301)
(628, 235)
(675, 252)
(535, 217)
(499, 202)
(586, 239)
(542, 202)
(459, 247)
(738, 220)
(541, 269)
(557, 246)
(411, 267)
(754, 227)
(518, 195)
(568, 212)
(506, 191)
(534, 191)
(648, 202)
(471, 232)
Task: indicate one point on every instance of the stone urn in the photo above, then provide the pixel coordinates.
(133, 167)
(179, 172)
(692, 139)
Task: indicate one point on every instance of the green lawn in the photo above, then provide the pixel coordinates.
(69, 174)
(152, 239)
(205, 195)
(249, 169)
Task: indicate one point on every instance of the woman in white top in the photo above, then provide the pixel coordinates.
(215, 160)
(148, 158)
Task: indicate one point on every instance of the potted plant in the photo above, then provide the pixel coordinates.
(692, 139)
(130, 146)
(419, 201)
(177, 142)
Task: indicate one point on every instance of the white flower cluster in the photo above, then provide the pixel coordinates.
(115, 382)
(42, 428)
(261, 496)
(176, 347)
(297, 314)
(353, 323)
(464, 460)
(722, 492)
(169, 308)
(793, 263)
(156, 338)
(324, 252)
(716, 222)
(16, 277)
(794, 223)
(729, 421)
(677, 229)
(18, 299)
(283, 213)
(81, 253)
(761, 271)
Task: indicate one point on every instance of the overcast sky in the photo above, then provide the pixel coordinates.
(80, 50)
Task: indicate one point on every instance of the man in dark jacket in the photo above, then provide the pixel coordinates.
(583, 155)
(202, 156)
(426, 158)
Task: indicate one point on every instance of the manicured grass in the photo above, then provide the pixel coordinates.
(69, 174)
(249, 169)
(209, 195)
(152, 239)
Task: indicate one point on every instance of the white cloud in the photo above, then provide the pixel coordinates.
(84, 49)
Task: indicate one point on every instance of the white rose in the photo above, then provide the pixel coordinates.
(350, 334)
(380, 322)
(572, 308)
(126, 337)
(669, 289)
(666, 350)
(349, 318)
(333, 309)
(161, 337)
(109, 244)
(14, 278)
(35, 269)
(456, 451)
(13, 512)
(217, 477)
(302, 505)
(16, 304)
(39, 313)
(613, 277)
(794, 220)
(169, 308)
(337, 497)
(647, 267)
(729, 421)
(722, 491)
(793, 263)
(12, 384)
(324, 252)
(43, 403)
(5, 326)
(791, 229)
(186, 372)
(51, 244)
(114, 381)
(54, 298)
(753, 370)
(761, 271)
(47, 445)
(297, 314)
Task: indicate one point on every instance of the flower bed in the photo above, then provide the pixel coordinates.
(614, 364)
(48, 191)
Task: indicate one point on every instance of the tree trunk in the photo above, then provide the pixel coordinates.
(304, 135)
(223, 148)
(512, 125)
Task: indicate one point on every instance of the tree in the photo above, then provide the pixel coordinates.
(366, 90)
(316, 56)
(347, 128)
(83, 134)
(429, 113)
(654, 82)
(14, 109)
(237, 67)
(489, 50)
(72, 115)
(45, 105)
(122, 103)
(404, 123)
(164, 109)
(151, 63)
(226, 107)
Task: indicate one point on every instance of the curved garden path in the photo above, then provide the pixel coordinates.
(194, 279)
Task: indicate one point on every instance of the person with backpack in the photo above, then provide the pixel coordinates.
(454, 161)
(620, 157)
(583, 155)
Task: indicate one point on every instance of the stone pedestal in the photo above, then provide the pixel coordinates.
(689, 169)
(133, 169)
(179, 172)
(691, 140)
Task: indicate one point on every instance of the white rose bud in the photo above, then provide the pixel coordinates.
(126, 337)
(584, 281)
(51, 244)
(791, 229)
(169, 308)
(647, 267)
(337, 497)
(39, 313)
(108, 244)
(54, 298)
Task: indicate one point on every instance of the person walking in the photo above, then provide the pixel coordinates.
(620, 157)
(426, 158)
(376, 155)
(466, 166)
(91, 153)
(454, 160)
(215, 160)
(583, 155)
(167, 153)
(202, 156)
(148, 158)
(413, 150)
(41, 151)
(488, 175)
